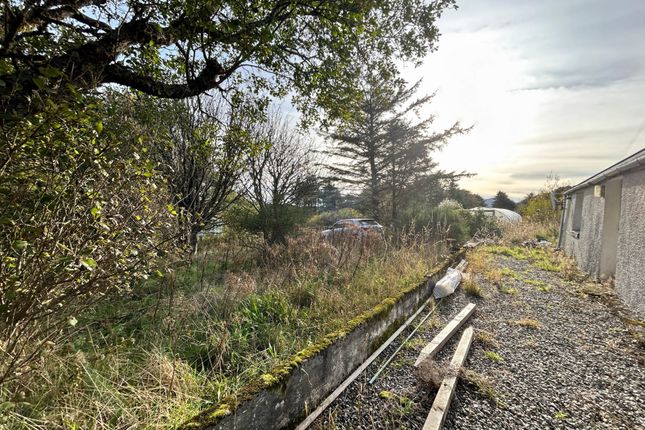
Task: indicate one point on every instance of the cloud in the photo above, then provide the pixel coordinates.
(550, 86)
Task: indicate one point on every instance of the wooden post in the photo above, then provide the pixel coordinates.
(444, 335)
(442, 401)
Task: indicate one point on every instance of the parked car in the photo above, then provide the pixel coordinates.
(355, 227)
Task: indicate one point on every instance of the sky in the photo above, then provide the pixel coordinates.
(550, 86)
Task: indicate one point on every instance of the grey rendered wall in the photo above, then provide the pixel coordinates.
(630, 266)
(586, 249)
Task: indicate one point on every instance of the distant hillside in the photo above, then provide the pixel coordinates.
(489, 202)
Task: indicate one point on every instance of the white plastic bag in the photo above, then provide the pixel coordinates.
(448, 284)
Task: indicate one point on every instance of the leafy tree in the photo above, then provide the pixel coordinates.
(328, 218)
(279, 182)
(540, 206)
(200, 150)
(84, 214)
(503, 201)
(381, 149)
(466, 198)
(178, 49)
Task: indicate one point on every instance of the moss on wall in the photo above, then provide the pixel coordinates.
(276, 379)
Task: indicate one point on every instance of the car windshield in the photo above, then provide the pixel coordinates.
(367, 222)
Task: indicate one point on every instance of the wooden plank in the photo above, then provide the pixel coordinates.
(444, 335)
(328, 401)
(442, 400)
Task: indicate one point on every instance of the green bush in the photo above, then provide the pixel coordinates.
(84, 214)
(274, 222)
(450, 221)
(328, 218)
(539, 209)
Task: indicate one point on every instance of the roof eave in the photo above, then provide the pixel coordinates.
(612, 171)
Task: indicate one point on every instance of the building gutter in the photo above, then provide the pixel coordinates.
(631, 162)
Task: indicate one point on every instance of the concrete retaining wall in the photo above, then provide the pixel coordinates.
(313, 380)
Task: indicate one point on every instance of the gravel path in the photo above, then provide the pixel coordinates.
(579, 368)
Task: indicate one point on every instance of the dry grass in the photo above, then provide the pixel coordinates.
(516, 233)
(494, 276)
(487, 338)
(472, 288)
(527, 322)
(433, 374)
(482, 384)
(156, 357)
(478, 261)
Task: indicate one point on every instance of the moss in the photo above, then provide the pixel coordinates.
(385, 394)
(222, 411)
(275, 378)
(493, 356)
(268, 379)
(509, 273)
(507, 290)
(560, 415)
(386, 334)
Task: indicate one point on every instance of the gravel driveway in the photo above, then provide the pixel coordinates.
(546, 355)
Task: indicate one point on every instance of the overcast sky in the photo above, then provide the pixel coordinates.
(550, 86)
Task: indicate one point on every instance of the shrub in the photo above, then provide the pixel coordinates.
(328, 218)
(84, 216)
(156, 355)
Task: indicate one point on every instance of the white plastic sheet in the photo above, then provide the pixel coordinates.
(448, 284)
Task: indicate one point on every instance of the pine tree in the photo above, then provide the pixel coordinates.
(380, 149)
(502, 201)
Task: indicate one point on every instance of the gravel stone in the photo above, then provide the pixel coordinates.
(581, 369)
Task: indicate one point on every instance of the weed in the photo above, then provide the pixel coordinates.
(517, 233)
(406, 405)
(527, 322)
(478, 261)
(415, 343)
(493, 356)
(472, 288)
(238, 318)
(402, 362)
(508, 290)
(487, 338)
(483, 385)
(385, 394)
(494, 276)
(559, 415)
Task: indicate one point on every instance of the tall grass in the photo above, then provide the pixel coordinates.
(180, 343)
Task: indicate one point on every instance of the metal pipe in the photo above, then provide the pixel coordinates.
(376, 375)
(565, 206)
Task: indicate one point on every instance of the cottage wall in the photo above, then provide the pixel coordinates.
(586, 248)
(630, 266)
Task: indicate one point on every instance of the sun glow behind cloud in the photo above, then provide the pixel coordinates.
(544, 93)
